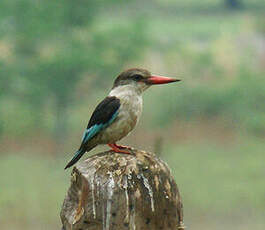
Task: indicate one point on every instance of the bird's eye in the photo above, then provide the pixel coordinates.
(137, 77)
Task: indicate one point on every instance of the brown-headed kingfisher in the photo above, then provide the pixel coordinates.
(116, 116)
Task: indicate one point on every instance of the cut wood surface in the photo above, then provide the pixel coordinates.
(113, 191)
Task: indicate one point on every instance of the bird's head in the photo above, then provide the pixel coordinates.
(140, 79)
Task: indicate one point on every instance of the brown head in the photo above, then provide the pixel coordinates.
(141, 78)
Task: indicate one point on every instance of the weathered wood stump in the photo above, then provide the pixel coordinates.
(113, 191)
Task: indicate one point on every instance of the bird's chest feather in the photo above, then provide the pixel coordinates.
(130, 110)
(128, 116)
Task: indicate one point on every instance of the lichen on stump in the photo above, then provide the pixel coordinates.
(113, 191)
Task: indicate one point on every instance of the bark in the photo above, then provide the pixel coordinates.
(113, 191)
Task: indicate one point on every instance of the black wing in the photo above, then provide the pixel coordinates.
(104, 114)
(104, 111)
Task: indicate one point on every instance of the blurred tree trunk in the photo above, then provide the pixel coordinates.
(61, 120)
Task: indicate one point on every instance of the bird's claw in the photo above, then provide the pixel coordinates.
(123, 147)
(120, 148)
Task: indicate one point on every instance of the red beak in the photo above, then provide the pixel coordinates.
(155, 80)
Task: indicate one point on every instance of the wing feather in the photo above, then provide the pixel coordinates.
(104, 114)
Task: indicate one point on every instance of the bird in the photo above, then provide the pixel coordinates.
(117, 115)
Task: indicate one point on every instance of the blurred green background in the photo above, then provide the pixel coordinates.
(58, 59)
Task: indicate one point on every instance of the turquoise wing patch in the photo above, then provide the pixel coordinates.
(95, 129)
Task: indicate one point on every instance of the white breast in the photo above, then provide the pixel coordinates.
(129, 112)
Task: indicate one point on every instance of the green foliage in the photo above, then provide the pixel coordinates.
(239, 103)
(55, 55)
(56, 45)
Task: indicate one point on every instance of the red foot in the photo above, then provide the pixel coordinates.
(123, 146)
(119, 148)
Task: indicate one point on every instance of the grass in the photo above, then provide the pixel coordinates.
(222, 184)
(218, 184)
(32, 191)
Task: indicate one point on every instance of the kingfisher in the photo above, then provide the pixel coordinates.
(117, 115)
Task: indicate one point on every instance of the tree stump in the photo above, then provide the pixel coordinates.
(113, 191)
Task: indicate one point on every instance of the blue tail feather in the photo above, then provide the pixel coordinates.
(76, 157)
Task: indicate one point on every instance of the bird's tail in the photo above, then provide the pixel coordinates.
(76, 157)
